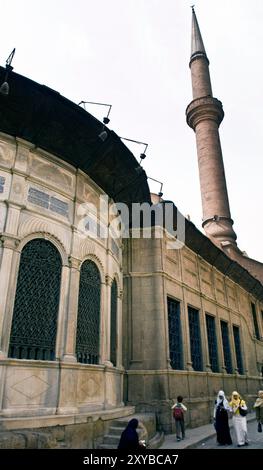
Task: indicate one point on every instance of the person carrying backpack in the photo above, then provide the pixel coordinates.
(178, 413)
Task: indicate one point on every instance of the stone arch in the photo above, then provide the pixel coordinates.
(35, 313)
(49, 237)
(88, 334)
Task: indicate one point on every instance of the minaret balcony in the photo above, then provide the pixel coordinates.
(201, 109)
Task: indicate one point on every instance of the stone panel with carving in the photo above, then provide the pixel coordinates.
(7, 154)
(30, 387)
(90, 387)
(52, 174)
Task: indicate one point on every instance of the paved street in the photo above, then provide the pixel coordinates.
(255, 440)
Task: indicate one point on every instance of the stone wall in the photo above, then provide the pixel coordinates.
(43, 197)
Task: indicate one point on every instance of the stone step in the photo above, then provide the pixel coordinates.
(106, 446)
(120, 424)
(115, 430)
(109, 439)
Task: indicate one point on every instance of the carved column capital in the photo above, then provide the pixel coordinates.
(10, 241)
(74, 262)
(108, 280)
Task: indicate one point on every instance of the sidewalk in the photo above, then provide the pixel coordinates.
(195, 436)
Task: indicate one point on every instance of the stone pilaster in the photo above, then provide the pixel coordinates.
(119, 330)
(72, 316)
(8, 275)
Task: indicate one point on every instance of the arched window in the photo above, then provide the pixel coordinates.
(34, 325)
(88, 327)
(113, 323)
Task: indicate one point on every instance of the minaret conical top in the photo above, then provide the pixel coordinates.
(197, 45)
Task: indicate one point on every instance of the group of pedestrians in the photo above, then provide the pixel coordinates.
(237, 409)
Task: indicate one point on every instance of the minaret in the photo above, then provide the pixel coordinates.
(204, 115)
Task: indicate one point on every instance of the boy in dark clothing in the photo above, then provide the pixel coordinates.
(178, 413)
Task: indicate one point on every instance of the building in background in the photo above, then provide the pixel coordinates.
(94, 327)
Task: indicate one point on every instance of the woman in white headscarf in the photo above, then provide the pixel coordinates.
(221, 410)
(239, 410)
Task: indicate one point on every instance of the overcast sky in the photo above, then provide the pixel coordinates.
(134, 54)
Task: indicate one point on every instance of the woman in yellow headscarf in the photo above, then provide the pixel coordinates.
(239, 408)
(259, 410)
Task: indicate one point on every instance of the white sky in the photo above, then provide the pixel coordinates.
(134, 54)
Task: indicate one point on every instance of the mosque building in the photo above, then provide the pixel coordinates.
(98, 323)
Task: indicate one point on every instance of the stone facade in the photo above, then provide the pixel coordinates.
(62, 386)
(152, 274)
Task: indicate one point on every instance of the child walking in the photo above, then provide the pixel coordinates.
(178, 413)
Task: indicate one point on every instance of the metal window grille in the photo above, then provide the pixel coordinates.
(226, 347)
(34, 325)
(255, 320)
(88, 325)
(195, 339)
(212, 342)
(238, 349)
(175, 334)
(113, 324)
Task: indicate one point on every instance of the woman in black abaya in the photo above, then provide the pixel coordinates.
(221, 419)
(129, 439)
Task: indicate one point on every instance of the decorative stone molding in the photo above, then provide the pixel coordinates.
(93, 257)
(10, 241)
(74, 262)
(49, 237)
(32, 225)
(108, 280)
(120, 295)
(202, 109)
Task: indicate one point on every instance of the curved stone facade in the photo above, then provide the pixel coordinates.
(42, 197)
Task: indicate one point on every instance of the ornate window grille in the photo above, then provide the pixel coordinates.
(195, 339)
(88, 326)
(238, 350)
(255, 320)
(34, 325)
(113, 323)
(212, 342)
(226, 347)
(175, 334)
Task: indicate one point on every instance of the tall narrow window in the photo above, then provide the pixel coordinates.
(175, 334)
(238, 350)
(255, 320)
(88, 326)
(195, 339)
(212, 342)
(113, 323)
(226, 347)
(34, 325)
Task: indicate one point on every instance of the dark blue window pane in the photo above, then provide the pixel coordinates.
(195, 339)
(238, 350)
(88, 326)
(175, 334)
(212, 342)
(226, 347)
(34, 325)
(255, 320)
